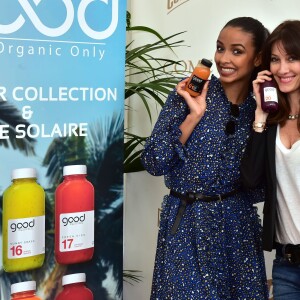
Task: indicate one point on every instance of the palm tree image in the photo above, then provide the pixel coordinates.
(101, 151)
(11, 117)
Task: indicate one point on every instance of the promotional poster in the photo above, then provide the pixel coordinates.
(62, 104)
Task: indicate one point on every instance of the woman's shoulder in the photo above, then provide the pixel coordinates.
(214, 79)
(215, 90)
(215, 83)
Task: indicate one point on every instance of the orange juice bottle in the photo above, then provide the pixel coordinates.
(24, 290)
(198, 78)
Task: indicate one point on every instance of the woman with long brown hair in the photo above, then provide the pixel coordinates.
(273, 157)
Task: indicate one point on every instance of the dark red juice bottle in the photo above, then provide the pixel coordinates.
(74, 217)
(268, 95)
(74, 288)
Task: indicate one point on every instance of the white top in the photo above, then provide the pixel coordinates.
(23, 287)
(73, 278)
(74, 170)
(288, 192)
(23, 173)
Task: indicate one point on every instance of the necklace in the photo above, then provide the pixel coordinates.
(293, 117)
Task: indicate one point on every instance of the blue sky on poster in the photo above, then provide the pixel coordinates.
(72, 60)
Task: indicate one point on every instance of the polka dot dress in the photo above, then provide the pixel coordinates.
(216, 251)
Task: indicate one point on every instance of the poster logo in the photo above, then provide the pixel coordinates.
(66, 25)
(173, 4)
(21, 225)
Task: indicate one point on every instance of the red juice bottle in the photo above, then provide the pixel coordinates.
(24, 291)
(268, 96)
(74, 288)
(74, 217)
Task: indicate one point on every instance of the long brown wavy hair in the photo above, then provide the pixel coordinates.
(288, 34)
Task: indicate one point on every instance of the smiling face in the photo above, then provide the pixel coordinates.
(286, 69)
(235, 55)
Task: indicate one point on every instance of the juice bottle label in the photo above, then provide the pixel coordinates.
(270, 94)
(196, 84)
(26, 237)
(76, 231)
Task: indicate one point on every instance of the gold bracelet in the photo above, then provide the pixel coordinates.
(259, 125)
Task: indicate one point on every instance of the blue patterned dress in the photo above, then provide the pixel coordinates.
(216, 251)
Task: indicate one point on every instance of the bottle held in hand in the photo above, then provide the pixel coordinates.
(198, 78)
(268, 95)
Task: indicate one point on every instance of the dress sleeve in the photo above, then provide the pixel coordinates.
(163, 149)
(253, 161)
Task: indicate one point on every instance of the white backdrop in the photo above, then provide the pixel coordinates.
(202, 20)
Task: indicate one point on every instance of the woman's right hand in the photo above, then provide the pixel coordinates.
(197, 105)
(265, 75)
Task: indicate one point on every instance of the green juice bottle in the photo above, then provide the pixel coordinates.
(23, 222)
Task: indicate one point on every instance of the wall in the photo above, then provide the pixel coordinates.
(202, 20)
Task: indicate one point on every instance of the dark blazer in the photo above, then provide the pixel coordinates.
(258, 167)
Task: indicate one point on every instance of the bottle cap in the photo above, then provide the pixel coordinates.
(23, 287)
(73, 278)
(206, 62)
(23, 173)
(74, 169)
